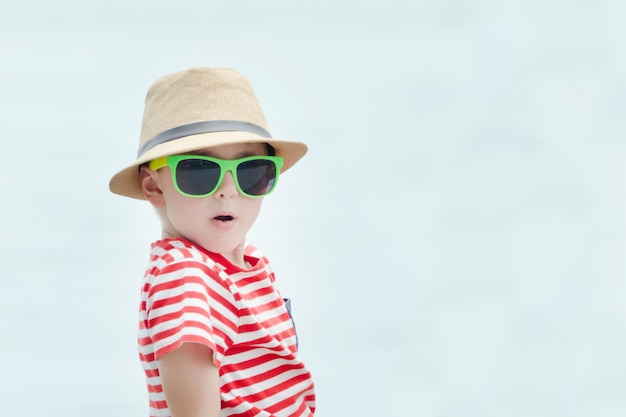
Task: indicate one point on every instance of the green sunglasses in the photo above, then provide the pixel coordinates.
(201, 176)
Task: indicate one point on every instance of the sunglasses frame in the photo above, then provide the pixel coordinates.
(225, 165)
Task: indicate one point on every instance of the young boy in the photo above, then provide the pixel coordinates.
(215, 336)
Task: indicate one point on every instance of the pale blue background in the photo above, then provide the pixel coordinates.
(454, 242)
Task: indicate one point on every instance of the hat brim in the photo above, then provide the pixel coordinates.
(126, 182)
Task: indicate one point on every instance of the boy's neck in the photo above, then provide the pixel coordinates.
(236, 257)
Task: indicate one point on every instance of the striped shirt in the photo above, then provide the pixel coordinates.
(191, 295)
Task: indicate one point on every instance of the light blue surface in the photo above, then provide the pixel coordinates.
(454, 243)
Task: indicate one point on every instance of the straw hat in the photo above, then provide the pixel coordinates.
(198, 108)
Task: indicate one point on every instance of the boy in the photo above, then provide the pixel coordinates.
(215, 337)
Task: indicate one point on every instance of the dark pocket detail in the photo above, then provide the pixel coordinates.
(288, 305)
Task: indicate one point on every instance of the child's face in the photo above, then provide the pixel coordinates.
(218, 222)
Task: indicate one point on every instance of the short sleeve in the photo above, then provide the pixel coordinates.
(182, 308)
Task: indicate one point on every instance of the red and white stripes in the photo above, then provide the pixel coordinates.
(190, 295)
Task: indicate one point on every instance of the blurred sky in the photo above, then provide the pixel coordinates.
(454, 242)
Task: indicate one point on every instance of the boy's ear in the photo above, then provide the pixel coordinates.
(150, 186)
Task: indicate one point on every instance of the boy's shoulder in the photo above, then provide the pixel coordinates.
(172, 249)
(175, 253)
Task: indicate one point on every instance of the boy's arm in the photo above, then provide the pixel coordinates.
(191, 381)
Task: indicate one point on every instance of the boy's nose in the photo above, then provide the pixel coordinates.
(227, 189)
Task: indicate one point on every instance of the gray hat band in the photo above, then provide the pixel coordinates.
(211, 126)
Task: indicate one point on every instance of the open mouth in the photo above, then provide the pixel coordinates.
(223, 218)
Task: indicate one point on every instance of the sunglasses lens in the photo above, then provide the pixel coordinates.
(256, 177)
(197, 176)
